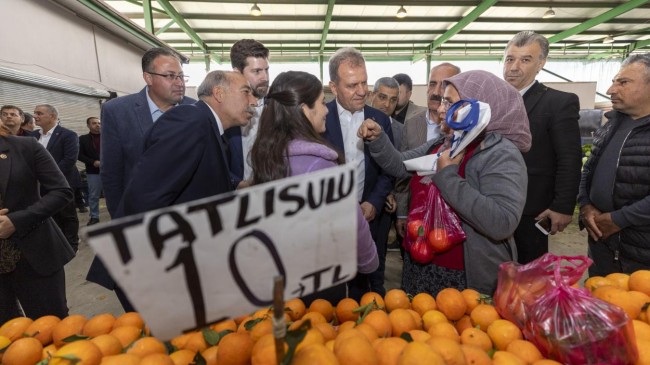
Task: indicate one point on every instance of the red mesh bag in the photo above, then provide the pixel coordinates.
(570, 326)
(519, 286)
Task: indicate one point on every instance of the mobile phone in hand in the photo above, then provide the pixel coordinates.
(544, 225)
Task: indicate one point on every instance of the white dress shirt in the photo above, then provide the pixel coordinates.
(45, 138)
(353, 145)
(433, 128)
(248, 134)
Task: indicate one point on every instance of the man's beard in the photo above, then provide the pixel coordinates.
(260, 91)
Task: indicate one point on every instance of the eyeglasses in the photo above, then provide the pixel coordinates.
(171, 77)
(446, 104)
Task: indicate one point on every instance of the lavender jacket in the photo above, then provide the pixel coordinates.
(305, 157)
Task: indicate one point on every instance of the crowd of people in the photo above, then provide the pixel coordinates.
(157, 148)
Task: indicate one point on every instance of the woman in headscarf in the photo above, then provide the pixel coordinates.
(289, 143)
(489, 199)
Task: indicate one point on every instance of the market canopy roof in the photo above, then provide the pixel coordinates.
(303, 30)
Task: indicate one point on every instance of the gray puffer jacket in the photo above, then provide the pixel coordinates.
(489, 200)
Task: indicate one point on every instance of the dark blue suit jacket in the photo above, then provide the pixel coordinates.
(183, 160)
(64, 148)
(377, 184)
(125, 121)
(233, 135)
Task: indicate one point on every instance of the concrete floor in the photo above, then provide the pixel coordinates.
(90, 299)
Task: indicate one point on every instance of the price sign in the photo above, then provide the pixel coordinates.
(189, 265)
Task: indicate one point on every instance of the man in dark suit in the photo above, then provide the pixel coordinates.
(251, 59)
(125, 121)
(554, 160)
(38, 279)
(421, 127)
(349, 84)
(63, 145)
(185, 157)
(89, 151)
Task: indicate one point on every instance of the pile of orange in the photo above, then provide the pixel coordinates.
(454, 328)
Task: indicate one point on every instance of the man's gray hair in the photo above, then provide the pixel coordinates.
(50, 109)
(212, 80)
(527, 37)
(388, 82)
(347, 54)
(642, 58)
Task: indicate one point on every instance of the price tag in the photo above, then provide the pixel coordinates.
(190, 265)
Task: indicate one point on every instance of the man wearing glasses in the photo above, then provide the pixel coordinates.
(124, 123)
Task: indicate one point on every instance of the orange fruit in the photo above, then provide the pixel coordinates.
(643, 347)
(472, 299)
(129, 319)
(182, 357)
(23, 351)
(607, 292)
(444, 329)
(86, 352)
(262, 328)
(100, 324)
(126, 334)
(263, 352)
(448, 349)
(235, 349)
(146, 346)
(431, 317)
(121, 359)
(196, 342)
(452, 303)
(419, 335)
(14, 328)
(316, 317)
(367, 331)
(396, 298)
(641, 330)
(107, 344)
(344, 310)
(475, 355)
(483, 316)
(640, 281)
(463, 323)
(476, 337)
(553, 362)
(379, 320)
(389, 349)
(48, 351)
(416, 353)
(314, 354)
(312, 336)
(506, 358)
(628, 303)
(156, 359)
(42, 328)
(596, 282)
(619, 279)
(263, 313)
(401, 321)
(369, 297)
(416, 317)
(68, 326)
(345, 326)
(525, 350)
(228, 324)
(502, 332)
(423, 302)
(355, 350)
(210, 355)
(296, 308)
(327, 330)
(180, 341)
(323, 307)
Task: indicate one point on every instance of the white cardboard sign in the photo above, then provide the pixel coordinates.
(189, 265)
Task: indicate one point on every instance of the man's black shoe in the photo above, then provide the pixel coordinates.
(92, 221)
(83, 209)
(394, 246)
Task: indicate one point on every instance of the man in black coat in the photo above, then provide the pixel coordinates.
(89, 151)
(554, 160)
(63, 145)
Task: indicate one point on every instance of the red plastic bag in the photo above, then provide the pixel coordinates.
(433, 227)
(519, 286)
(570, 326)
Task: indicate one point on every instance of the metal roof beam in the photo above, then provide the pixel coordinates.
(466, 20)
(135, 2)
(602, 18)
(148, 16)
(164, 28)
(638, 45)
(178, 18)
(326, 24)
(518, 4)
